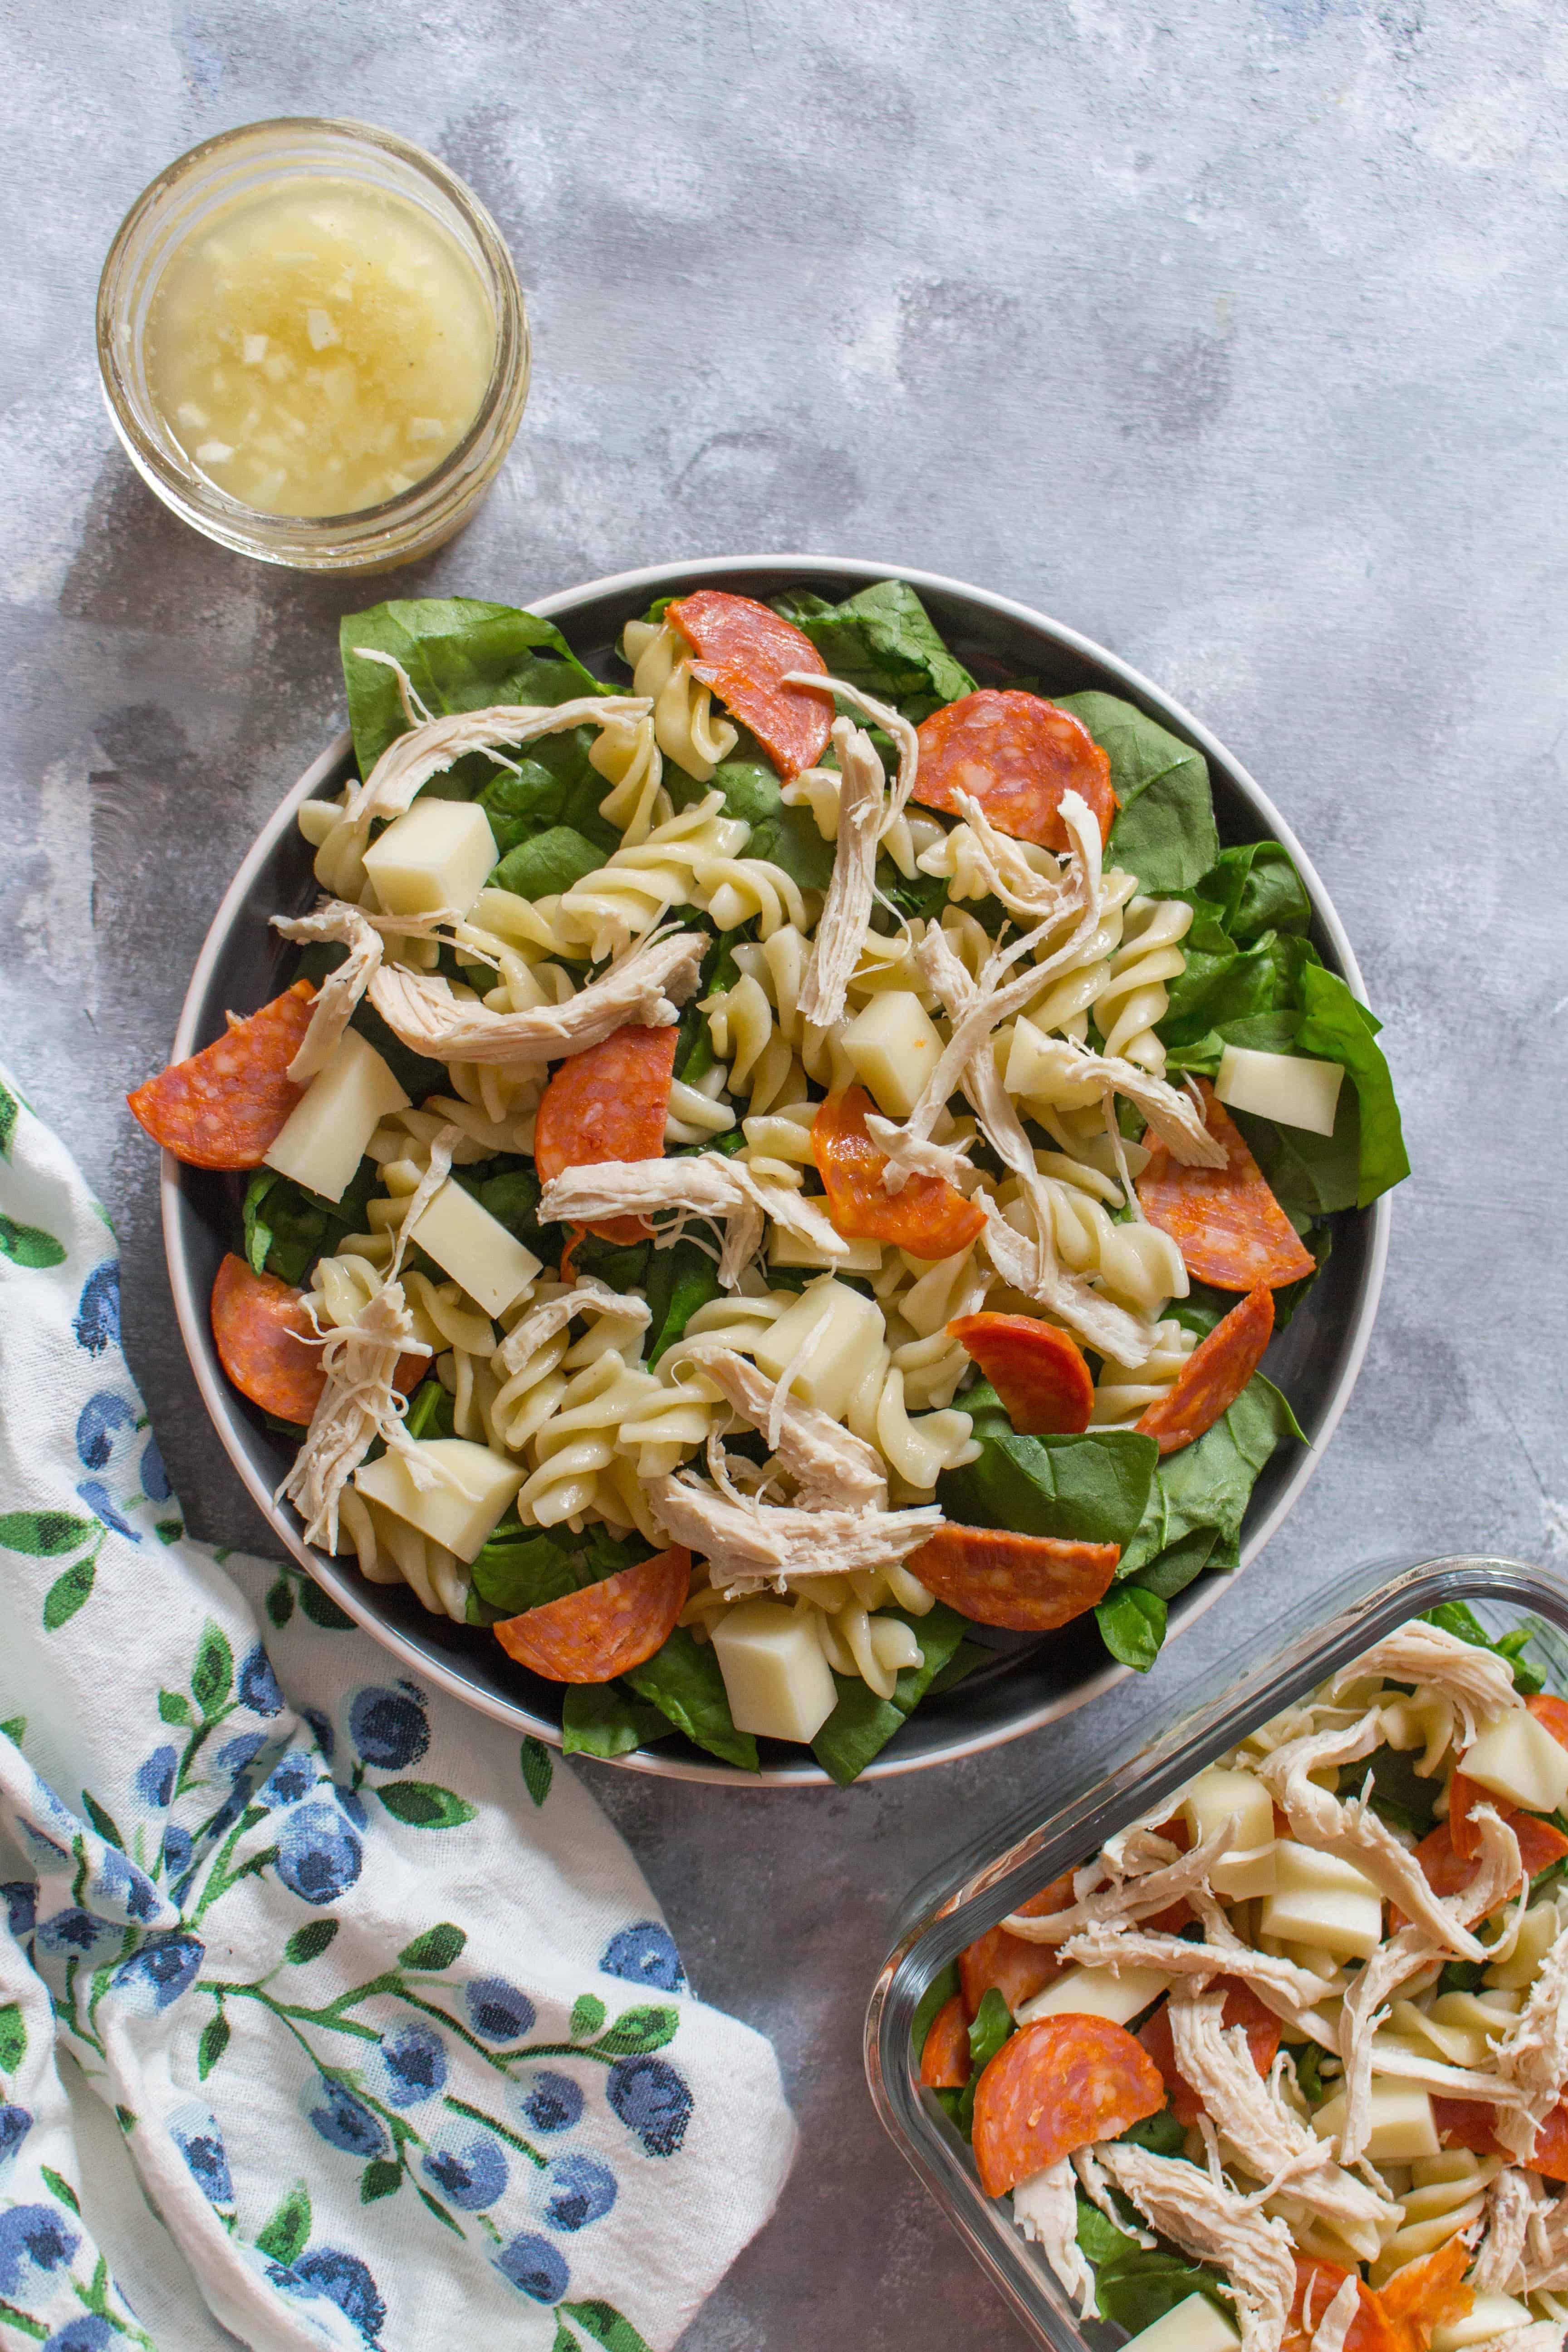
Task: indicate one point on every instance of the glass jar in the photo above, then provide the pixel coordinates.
(261, 158)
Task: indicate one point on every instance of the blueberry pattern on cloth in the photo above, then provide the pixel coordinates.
(370, 2006)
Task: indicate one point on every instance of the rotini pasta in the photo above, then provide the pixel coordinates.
(683, 720)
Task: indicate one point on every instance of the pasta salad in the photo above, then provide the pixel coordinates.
(1288, 2067)
(776, 1167)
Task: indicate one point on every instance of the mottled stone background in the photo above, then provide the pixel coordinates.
(1229, 332)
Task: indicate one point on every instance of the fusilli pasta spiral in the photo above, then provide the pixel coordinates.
(683, 720)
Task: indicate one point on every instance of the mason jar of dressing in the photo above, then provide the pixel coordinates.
(313, 344)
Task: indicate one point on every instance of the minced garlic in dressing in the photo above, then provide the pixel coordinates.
(318, 348)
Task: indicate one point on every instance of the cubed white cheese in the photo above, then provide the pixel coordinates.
(791, 1249)
(1215, 1797)
(1195, 2326)
(1321, 1901)
(472, 1490)
(835, 1365)
(1286, 1086)
(1490, 2315)
(775, 1676)
(893, 1047)
(441, 854)
(322, 1140)
(1096, 1992)
(1403, 2128)
(1518, 1759)
(474, 1249)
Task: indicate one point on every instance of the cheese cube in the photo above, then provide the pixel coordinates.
(1217, 1796)
(1490, 2315)
(893, 1046)
(322, 1140)
(1321, 1901)
(472, 1490)
(1286, 1086)
(474, 1249)
(790, 1249)
(1402, 2126)
(832, 1369)
(1195, 2326)
(776, 1678)
(439, 856)
(1096, 1992)
(1518, 1759)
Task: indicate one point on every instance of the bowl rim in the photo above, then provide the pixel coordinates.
(350, 1592)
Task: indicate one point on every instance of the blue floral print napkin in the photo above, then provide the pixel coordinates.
(328, 2015)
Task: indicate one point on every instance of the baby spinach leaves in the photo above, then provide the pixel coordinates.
(548, 861)
(1092, 1489)
(861, 1724)
(1164, 832)
(459, 654)
(1457, 1618)
(1135, 2285)
(600, 1720)
(683, 1681)
(287, 1229)
(883, 641)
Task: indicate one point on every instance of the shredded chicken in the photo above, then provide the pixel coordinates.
(749, 1545)
(1215, 2225)
(364, 935)
(1478, 1684)
(1513, 2200)
(1533, 2054)
(833, 1468)
(1038, 898)
(1128, 1900)
(1545, 2262)
(699, 1184)
(1266, 2137)
(432, 745)
(1291, 1992)
(648, 985)
(541, 1323)
(846, 911)
(1045, 2207)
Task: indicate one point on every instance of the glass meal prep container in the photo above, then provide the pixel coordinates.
(1022, 1855)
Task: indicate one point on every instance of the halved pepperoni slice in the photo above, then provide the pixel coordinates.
(1038, 1371)
(1549, 2154)
(1551, 1713)
(745, 653)
(607, 1628)
(1317, 2283)
(1031, 1584)
(1467, 2123)
(1243, 2008)
(945, 2060)
(1228, 1225)
(1427, 2294)
(1060, 2083)
(1213, 1376)
(1018, 1970)
(227, 1106)
(266, 1342)
(929, 1218)
(1540, 1842)
(1016, 754)
(609, 1103)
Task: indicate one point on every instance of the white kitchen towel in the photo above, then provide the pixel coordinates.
(361, 1997)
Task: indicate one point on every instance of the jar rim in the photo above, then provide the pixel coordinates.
(395, 530)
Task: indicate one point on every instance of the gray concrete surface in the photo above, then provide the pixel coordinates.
(1229, 332)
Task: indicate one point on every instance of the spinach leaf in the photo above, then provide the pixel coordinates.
(520, 1569)
(417, 1074)
(599, 1719)
(461, 655)
(918, 894)
(619, 1265)
(551, 861)
(679, 1280)
(1160, 2133)
(1135, 2285)
(1164, 832)
(1093, 1488)
(1309, 2060)
(1270, 1033)
(287, 1229)
(861, 1724)
(883, 641)
(788, 836)
(1132, 1625)
(553, 783)
(683, 1681)
(1398, 1793)
(1460, 1976)
(1224, 987)
(430, 1413)
(1337, 1029)
(1258, 889)
(991, 2026)
(1180, 1564)
(1207, 1486)
(940, 1990)
(1309, 1175)
(511, 1196)
(964, 1660)
(1456, 1618)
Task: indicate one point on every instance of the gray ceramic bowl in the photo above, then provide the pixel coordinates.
(243, 963)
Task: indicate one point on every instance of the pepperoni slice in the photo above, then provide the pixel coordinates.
(745, 653)
(1549, 2154)
(1467, 2123)
(1030, 1583)
(266, 1342)
(1060, 2083)
(1242, 2007)
(1038, 1371)
(1213, 1376)
(226, 1106)
(945, 2060)
(929, 1218)
(609, 1103)
(606, 1629)
(1016, 754)
(1427, 2294)
(1551, 1714)
(1017, 1969)
(1541, 1843)
(1228, 1225)
(1317, 2283)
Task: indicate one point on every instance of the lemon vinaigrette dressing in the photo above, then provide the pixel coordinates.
(318, 348)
